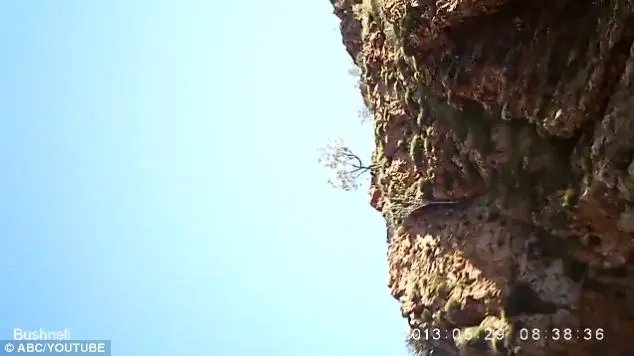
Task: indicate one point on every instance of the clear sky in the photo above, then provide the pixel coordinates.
(160, 184)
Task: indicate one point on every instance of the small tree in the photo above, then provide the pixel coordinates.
(347, 166)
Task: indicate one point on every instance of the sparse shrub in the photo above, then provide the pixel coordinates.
(348, 168)
(417, 346)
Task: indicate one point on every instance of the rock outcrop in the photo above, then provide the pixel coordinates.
(504, 135)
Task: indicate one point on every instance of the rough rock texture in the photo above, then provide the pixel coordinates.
(505, 167)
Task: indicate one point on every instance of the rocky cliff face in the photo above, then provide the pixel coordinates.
(504, 137)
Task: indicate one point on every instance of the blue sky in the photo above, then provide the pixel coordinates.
(160, 181)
